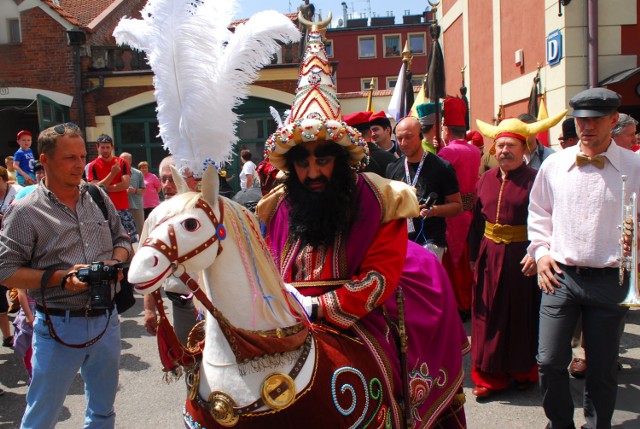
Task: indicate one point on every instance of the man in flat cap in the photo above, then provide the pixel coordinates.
(574, 203)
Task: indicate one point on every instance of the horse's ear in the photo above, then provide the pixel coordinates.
(210, 185)
(181, 184)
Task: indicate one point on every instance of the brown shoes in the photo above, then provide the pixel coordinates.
(578, 367)
(482, 392)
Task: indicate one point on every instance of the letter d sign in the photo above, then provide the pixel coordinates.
(554, 47)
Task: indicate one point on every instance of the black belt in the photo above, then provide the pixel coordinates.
(590, 272)
(75, 313)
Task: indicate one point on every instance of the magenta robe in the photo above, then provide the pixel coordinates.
(504, 336)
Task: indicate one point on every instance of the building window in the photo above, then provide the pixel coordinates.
(328, 46)
(392, 45)
(417, 81)
(391, 82)
(417, 43)
(365, 83)
(13, 25)
(366, 46)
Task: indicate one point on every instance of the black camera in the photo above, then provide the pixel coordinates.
(99, 277)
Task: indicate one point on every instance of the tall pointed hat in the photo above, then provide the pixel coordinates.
(316, 114)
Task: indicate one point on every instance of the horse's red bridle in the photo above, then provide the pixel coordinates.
(170, 251)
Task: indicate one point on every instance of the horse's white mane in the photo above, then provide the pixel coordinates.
(243, 227)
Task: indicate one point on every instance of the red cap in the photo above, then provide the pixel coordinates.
(475, 138)
(357, 118)
(23, 133)
(379, 115)
(455, 112)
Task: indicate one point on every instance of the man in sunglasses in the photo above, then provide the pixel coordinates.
(114, 175)
(47, 236)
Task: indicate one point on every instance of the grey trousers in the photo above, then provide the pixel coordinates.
(595, 298)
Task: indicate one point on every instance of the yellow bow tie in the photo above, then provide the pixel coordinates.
(582, 160)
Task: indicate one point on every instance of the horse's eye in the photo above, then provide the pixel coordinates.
(191, 224)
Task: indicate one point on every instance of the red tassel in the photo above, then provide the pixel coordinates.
(172, 353)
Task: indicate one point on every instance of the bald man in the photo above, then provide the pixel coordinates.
(428, 173)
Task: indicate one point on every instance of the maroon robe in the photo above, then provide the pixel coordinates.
(505, 306)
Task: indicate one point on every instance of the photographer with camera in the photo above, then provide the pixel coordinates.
(49, 243)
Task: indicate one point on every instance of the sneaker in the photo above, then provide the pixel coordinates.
(8, 342)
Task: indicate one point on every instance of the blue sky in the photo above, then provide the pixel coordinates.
(378, 7)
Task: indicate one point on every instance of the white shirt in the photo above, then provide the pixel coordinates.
(10, 193)
(248, 168)
(574, 212)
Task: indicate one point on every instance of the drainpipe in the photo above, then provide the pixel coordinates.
(78, 79)
(75, 39)
(592, 42)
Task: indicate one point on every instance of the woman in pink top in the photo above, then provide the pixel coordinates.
(152, 184)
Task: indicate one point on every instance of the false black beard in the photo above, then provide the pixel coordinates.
(317, 218)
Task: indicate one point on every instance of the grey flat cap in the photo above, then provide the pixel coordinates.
(595, 102)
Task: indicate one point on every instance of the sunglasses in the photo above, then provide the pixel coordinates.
(60, 129)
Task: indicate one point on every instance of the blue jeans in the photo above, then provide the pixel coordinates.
(56, 365)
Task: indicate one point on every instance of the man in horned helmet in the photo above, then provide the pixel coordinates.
(504, 334)
(340, 240)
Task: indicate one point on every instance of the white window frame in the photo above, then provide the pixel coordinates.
(384, 45)
(375, 51)
(424, 43)
(329, 42)
(11, 22)
(365, 82)
(390, 79)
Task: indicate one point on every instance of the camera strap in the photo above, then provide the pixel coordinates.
(52, 331)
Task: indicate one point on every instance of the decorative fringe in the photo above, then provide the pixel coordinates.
(172, 375)
(267, 362)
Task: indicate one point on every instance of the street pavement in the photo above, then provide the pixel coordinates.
(145, 401)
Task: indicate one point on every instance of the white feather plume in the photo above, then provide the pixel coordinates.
(202, 70)
(276, 116)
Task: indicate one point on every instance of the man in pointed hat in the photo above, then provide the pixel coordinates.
(504, 318)
(339, 239)
(465, 159)
(575, 206)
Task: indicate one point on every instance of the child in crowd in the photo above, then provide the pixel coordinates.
(23, 160)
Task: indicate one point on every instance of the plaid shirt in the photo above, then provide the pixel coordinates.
(40, 232)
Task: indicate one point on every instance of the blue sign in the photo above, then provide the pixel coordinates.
(554, 47)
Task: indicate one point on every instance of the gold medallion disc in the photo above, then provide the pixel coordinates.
(222, 409)
(278, 391)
